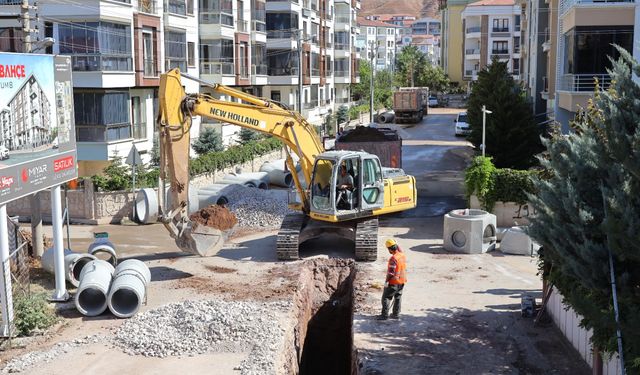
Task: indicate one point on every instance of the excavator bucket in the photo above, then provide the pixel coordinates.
(201, 240)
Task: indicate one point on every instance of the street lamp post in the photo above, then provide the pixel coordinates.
(484, 126)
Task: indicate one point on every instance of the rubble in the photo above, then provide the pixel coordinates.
(256, 208)
(197, 327)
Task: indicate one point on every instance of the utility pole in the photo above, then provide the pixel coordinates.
(411, 72)
(36, 213)
(484, 125)
(300, 54)
(372, 55)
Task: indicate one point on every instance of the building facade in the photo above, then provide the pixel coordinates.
(378, 38)
(586, 32)
(451, 48)
(492, 30)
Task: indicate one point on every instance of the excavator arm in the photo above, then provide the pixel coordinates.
(176, 109)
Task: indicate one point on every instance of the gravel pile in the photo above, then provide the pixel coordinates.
(257, 208)
(30, 359)
(196, 327)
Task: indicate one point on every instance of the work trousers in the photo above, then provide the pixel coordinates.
(392, 292)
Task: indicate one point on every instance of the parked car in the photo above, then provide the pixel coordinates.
(461, 124)
(4, 153)
(433, 101)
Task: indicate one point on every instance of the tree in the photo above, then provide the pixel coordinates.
(247, 135)
(433, 77)
(589, 204)
(361, 90)
(408, 63)
(512, 137)
(342, 115)
(208, 141)
(155, 151)
(382, 90)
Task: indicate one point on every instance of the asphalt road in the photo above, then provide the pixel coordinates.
(437, 158)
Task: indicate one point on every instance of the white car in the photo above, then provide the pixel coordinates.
(4, 153)
(433, 101)
(461, 124)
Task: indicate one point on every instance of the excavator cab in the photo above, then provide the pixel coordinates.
(346, 185)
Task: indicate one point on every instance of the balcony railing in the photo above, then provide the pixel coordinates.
(244, 71)
(584, 82)
(341, 73)
(500, 30)
(475, 29)
(147, 6)
(315, 72)
(342, 46)
(259, 26)
(101, 62)
(224, 68)
(216, 18)
(288, 71)
(472, 51)
(470, 73)
(279, 34)
(243, 26)
(566, 4)
(500, 52)
(102, 133)
(342, 19)
(260, 70)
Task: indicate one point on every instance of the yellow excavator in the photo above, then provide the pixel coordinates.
(323, 207)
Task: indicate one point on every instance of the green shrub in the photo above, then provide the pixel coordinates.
(492, 185)
(209, 140)
(32, 313)
(213, 161)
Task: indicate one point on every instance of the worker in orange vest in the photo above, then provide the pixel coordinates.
(396, 278)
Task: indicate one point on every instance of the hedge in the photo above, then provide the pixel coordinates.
(493, 185)
(214, 161)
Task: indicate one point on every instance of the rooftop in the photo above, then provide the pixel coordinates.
(492, 3)
(364, 22)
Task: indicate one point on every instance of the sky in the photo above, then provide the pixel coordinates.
(39, 65)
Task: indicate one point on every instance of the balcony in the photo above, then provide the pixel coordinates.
(150, 68)
(103, 134)
(500, 54)
(242, 26)
(279, 34)
(584, 82)
(223, 68)
(147, 6)
(565, 5)
(472, 53)
(259, 26)
(243, 71)
(499, 29)
(471, 73)
(216, 18)
(260, 69)
(473, 32)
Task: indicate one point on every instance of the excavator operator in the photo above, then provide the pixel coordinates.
(344, 186)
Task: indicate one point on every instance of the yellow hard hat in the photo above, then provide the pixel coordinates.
(390, 242)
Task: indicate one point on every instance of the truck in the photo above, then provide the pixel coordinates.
(380, 141)
(410, 104)
(323, 206)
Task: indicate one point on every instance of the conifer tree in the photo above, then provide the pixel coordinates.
(590, 204)
(512, 137)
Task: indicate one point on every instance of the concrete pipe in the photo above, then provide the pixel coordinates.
(146, 206)
(95, 280)
(386, 117)
(103, 249)
(73, 264)
(129, 288)
(240, 180)
(277, 176)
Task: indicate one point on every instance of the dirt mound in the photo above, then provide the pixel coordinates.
(215, 216)
(368, 134)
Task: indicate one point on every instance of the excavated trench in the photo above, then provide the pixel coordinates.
(322, 339)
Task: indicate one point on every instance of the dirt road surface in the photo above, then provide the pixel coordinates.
(461, 313)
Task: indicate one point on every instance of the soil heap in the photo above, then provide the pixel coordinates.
(215, 216)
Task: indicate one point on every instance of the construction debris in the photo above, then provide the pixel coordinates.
(215, 216)
(197, 327)
(256, 208)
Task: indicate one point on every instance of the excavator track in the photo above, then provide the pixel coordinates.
(367, 240)
(288, 237)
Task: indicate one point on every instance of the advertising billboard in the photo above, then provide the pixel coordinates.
(37, 132)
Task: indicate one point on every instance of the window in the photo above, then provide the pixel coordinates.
(243, 49)
(279, 25)
(176, 7)
(190, 7)
(11, 39)
(258, 16)
(500, 25)
(275, 96)
(314, 96)
(138, 114)
(500, 48)
(259, 58)
(191, 54)
(516, 66)
(101, 116)
(342, 67)
(282, 63)
(216, 12)
(216, 56)
(148, 54)
(516, 44)
(315, 64)
(175, 50)
(588, 48)
(371, 30)
(517, 23)
(328, 70)
(341, 39)
(95, 46)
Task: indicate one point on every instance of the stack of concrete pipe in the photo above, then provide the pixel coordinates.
(258, 180)
(73, 264)
(278, 175)
(122, 289)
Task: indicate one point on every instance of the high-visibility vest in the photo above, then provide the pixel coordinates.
(397, 269)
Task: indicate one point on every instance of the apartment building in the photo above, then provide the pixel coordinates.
(379, 38)
(535, 30)
(586, 32)
(329, 55)
(429, 45)
(492, 29)
(426, 26)
(118, 50)
(451, 48)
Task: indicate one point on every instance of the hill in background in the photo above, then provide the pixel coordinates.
(423, 8)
